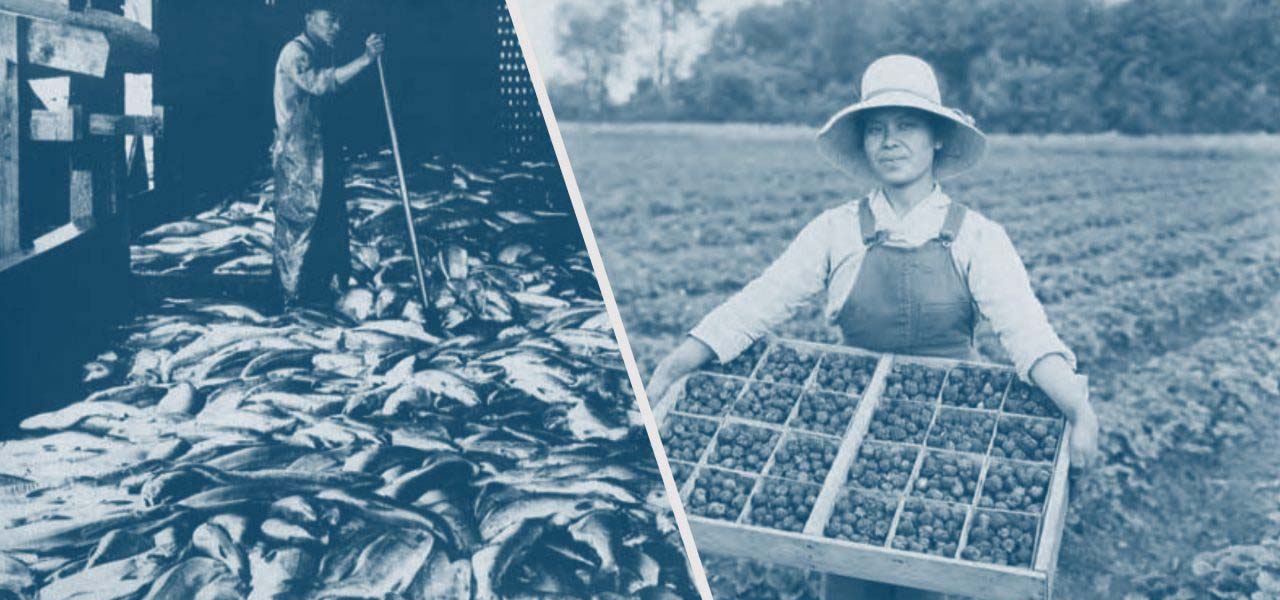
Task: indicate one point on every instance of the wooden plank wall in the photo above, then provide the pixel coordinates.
(11, 128)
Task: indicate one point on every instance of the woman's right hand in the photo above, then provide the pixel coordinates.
(659, 383)
(687, 357)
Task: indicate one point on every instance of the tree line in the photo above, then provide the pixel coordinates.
(1136, 66)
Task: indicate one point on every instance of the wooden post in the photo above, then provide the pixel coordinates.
(162, 177)
(97, 163)
(11, 130)
(81, 193)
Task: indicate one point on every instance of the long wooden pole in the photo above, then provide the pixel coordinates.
(404, 196)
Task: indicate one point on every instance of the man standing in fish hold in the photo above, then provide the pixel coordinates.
(311, 253)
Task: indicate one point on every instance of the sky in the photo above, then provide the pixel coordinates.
(689, 42)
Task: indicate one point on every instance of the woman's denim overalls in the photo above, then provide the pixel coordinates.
(906, 301)
(910, 300)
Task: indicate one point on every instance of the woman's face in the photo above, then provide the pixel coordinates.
(899, 143)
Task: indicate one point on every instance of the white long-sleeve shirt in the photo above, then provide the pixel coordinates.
(827, 256)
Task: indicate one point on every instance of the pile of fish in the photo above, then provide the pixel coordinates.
(230, 453)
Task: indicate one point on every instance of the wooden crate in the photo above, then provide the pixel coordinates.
(810, 549)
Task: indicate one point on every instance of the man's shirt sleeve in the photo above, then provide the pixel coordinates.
(295, 63)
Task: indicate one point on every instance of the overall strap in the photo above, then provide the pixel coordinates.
(867, 222)
(951, 226)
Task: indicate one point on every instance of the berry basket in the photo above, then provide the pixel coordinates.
(780, 422)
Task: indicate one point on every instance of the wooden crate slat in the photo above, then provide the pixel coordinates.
(1055, 511)
(853, 437)
(906, 493)
(982, 474)
(867, 562)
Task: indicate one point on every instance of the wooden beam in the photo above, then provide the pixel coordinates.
(68, 125)
(67, 48)
(57, 125)
(10, 131)
(134, 47)
(42, 245)
(115, 125)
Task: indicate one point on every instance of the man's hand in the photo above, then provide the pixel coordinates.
(374, 45)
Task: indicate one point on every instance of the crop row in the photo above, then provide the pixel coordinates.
(1080, 210)
(1161, 415)
(1029, 184)
(1097, 242)
(1165, 255)
(1078, 202)
(1136, 319)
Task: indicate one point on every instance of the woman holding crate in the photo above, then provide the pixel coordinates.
(904, 269)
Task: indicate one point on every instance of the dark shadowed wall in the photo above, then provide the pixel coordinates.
(217, 67)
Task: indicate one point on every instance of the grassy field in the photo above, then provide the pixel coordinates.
(1158, 261)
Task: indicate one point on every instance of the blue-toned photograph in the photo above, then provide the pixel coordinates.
(295, 303)
(949, 299)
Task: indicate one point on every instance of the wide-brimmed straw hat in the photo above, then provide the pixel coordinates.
(904, 81)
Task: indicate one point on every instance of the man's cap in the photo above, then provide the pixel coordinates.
(333, 6)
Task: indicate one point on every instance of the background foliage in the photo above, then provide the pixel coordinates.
(1140, 66)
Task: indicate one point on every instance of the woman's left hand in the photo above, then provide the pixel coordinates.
(1070, 391)
(1084, 439)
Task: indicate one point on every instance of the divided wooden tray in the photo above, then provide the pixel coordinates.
(810, 548)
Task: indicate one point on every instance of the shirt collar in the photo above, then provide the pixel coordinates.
(922, 223)
(887, 217)
(311, 43)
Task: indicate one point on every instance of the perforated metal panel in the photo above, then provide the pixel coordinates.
(521, 123)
